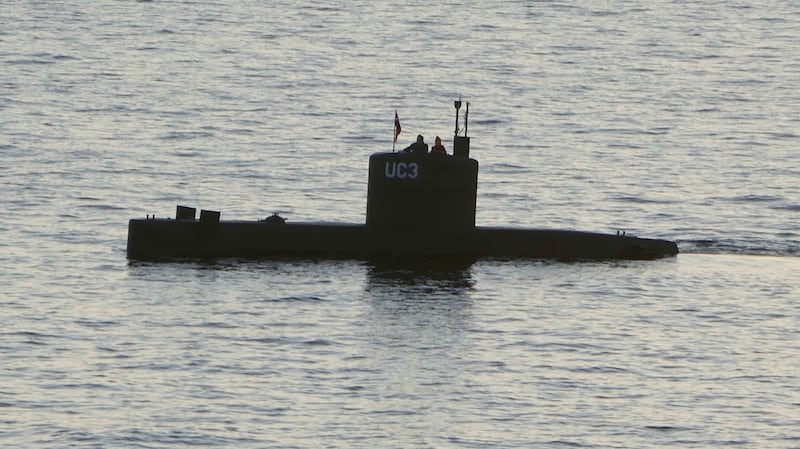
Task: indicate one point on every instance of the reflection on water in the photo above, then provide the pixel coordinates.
(419, 299)
(433, 276)
(421, 305)
(415, 337)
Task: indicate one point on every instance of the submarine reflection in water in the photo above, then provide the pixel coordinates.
(418, 205)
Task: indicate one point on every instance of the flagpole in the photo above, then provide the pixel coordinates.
(396, 130)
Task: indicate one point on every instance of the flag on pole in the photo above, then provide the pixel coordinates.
(396, 126)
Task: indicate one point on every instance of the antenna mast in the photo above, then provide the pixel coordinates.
(461, 143)
(457, 104)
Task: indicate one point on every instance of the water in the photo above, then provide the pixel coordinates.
(666, 119)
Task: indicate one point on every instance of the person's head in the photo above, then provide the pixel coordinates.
(420, 139)
(438, 140)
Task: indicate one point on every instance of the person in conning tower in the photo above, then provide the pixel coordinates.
(438, 147)
(417, 147)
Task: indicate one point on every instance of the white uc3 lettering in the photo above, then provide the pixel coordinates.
(401, 170)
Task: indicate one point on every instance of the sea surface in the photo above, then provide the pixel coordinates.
(661, 118)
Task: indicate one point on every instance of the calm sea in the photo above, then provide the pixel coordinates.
(665, 118)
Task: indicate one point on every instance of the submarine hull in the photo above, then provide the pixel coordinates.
(419, 205)
(169, 238)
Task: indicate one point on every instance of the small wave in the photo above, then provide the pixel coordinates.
(30, 62)
(488, 122)
(264, 340)
(598, 369)
(789, 207)
(754, 198)
(186, 135)
(217, 325)
(186, 154)
(641, 200)
(298, 299)
(66, 58)
(96, 323)
(504, 168)
(108, 207)
(740, 247)
(669, 428)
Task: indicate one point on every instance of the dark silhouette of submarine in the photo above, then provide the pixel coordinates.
(419, 204)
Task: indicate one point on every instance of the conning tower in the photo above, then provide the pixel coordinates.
(434, 192)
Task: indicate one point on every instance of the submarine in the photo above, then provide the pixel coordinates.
(420, 204)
